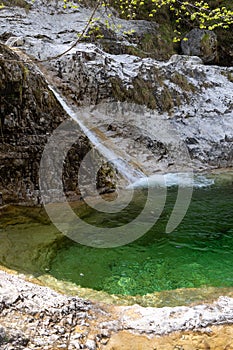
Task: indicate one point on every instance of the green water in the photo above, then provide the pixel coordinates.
(198, 253)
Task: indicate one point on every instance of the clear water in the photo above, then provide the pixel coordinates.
(198, 253)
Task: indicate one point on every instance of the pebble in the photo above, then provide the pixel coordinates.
(75, 344)
(62, 346)
(90, 344)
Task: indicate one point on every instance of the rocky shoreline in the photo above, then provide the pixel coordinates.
(36, 317)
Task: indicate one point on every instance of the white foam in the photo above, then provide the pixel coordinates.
(172, 179)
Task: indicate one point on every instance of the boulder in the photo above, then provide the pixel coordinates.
(201, 43)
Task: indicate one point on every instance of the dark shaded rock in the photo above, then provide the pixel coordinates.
(13, 338)
(20, 3)
(2, 335)
(225, 46)
(29, 114)
(201, 43)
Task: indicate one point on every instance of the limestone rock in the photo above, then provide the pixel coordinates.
(91, 344)
(38, 315)
(196, 99)
(15, 41)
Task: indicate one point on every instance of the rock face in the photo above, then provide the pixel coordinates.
(149, 39)
(138, 36)
(201, 43)
(29, 113)
(195, 99)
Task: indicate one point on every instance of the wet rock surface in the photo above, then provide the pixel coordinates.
(213, 338)
(195, 99)
(29, 115)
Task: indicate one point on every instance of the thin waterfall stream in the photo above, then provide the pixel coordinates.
(115, 156)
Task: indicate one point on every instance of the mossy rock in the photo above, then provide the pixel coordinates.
(146, 93)
(180, 80)
(201, 43)
(160, 46)
(20, 3)
(141, 93)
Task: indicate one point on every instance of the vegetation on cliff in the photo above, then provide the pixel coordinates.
(182, 14)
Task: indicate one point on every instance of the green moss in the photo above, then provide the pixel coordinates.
(118, 90)
(166, 100)
(144, 93)
(206, 45)
(132, 50)
(148, 42)
(19, 3)
(182, 82)
(141, 93)
(230, 77)
(158, 45)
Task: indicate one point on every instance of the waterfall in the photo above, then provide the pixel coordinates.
(123, 163)
(117, 159)
(136, 179)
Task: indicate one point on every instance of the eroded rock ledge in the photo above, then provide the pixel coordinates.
(36, 317)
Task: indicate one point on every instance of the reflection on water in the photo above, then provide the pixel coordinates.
(28, 240)
(198, 254)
